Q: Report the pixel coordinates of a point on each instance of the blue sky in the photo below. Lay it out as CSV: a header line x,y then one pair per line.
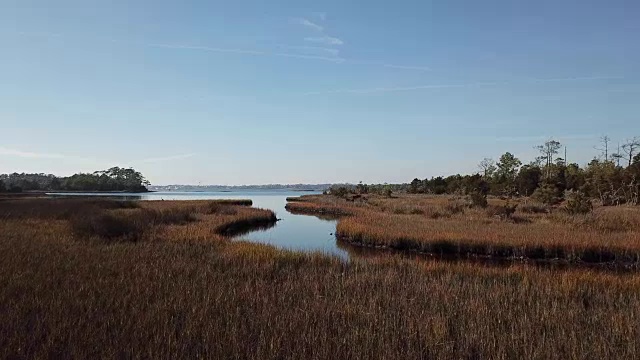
x,y
254,92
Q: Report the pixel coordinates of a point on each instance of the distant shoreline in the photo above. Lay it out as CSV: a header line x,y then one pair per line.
x,y
26,194
222,188
235,190
93,192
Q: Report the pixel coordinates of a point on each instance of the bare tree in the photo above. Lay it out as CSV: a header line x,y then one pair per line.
x,y
604,147
488,167
629,150
547,151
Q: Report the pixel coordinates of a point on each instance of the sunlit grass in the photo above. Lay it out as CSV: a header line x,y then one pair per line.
x,y
187,292
444,225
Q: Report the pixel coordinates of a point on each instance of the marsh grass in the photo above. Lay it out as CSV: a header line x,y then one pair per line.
x,y
534,208
190,293
137,221
128,225
620,219
238,202
313,208
223,299
244,225
505,229
221,209
43,208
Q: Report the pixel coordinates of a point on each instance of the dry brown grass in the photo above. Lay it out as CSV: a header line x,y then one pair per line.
x,y
319,205
448,226
99,219
192,294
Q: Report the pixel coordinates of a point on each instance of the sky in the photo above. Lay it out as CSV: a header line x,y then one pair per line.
x,y
260,92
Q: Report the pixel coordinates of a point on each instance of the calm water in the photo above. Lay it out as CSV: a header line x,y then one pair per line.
x,y
295,232
303,232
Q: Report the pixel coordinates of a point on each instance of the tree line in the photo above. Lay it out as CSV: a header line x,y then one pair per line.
x,y
611,178
113,179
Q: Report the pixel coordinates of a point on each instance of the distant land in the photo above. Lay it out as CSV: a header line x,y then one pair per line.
x,y
203,188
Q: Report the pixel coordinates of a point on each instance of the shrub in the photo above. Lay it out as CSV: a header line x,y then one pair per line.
x,y
339,191
478,199
578,203
547,194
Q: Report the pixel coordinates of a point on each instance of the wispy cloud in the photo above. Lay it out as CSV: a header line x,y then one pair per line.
x,y
31,155
328,40
389,65
324,39
322,16
580,78
59,158
55,156
310,57
464,85
208,48
397,89
315,49
307,23
333,53
244,52
168,158
404,67
41,155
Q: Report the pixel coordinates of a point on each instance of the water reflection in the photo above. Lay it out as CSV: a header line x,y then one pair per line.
x,y
316,233
293,231
254,228
325,217
363,252
296,231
